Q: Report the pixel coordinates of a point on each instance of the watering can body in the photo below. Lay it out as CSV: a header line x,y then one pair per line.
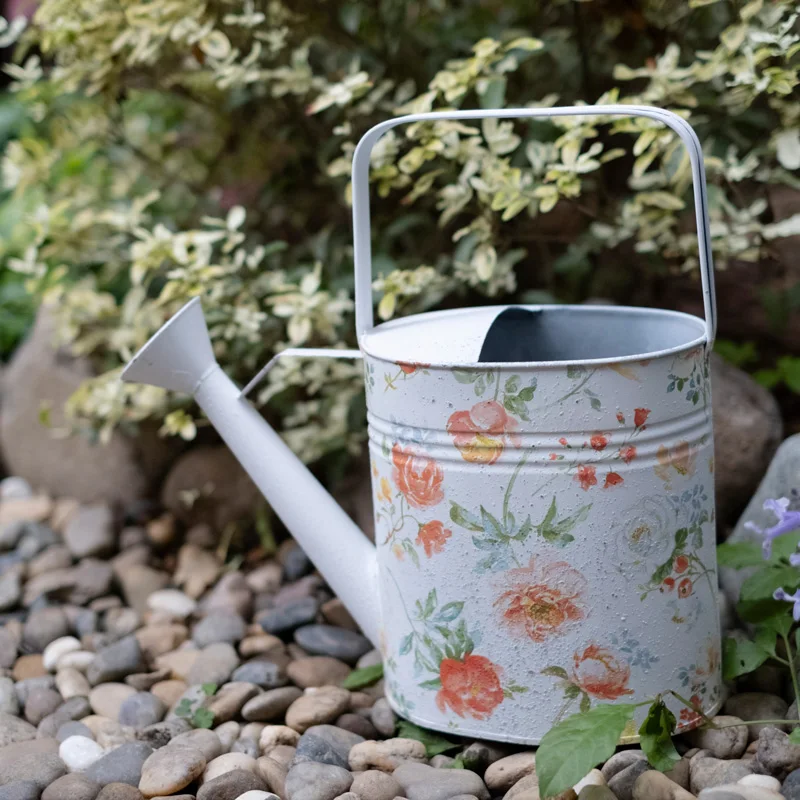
x,y
544,527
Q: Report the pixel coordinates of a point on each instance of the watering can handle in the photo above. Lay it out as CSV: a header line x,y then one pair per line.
x,y
361,216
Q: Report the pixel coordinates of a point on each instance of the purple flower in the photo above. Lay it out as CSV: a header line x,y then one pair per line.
x,y
780,594
788,521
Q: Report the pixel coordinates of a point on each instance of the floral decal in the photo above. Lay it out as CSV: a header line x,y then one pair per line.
x,y
481,433
597,673
432,536
543,600
681,459
417,476
466,683
499,534
470,687
699,681
697,383
405,372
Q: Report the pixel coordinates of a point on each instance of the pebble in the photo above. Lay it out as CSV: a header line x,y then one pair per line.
x,y
724,742
15,488
214,664
313,671
79,659
595,793
90,531
311,781
71,787
231,785
41,703
227,763
618,762
120,791
422,782
228,733
593,778
266,674
762,781
383,717
197,569
317,707
246,745
756,705
10,588
503,774
706,771
327,640
172,602
178,664
138,583
9,703
43,626
219,626
271,704
29,666
36,761
289,616
228,701
116,661
73,728
653,785
121,622
123,765
256,794
206,741
78,753
71,682
776,753
791,785
326,744
276,735
162,733
20,790
145,681
156,640
141,709
13,729
376,785
107,698
386,755
8,648
623,782
355,723
169,770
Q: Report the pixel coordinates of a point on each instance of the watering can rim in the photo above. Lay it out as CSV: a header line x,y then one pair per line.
x,y
701,340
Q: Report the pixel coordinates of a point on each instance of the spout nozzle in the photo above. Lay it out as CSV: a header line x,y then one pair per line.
x,y
177,356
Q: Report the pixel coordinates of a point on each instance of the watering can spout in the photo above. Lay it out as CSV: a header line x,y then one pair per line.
x,y
179,357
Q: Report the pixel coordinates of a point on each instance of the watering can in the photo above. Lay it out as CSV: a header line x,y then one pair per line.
x,y
542,483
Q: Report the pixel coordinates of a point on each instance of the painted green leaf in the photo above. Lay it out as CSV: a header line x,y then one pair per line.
x,y
365,676
466,376
737,555
405,644
430,603
655,737
464,519
559,531
434,683
526,395
556,672
573,747
491,524
449,612
434,743
511,384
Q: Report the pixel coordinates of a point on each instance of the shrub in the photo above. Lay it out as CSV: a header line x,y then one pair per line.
x,y
177,148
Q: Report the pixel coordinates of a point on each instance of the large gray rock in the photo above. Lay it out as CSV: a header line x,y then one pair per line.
x,y
747,430
782,480
40,375
421,782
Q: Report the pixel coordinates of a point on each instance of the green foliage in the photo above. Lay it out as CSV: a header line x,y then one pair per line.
x,y
655,737
434,743
573,747
366,676
198,716
165,150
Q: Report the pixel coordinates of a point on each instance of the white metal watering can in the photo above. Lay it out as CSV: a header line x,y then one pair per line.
x,y
544,526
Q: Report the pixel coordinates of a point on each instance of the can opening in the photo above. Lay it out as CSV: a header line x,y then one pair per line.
x,y
534,334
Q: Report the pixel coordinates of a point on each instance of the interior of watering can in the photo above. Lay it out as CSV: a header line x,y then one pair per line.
x,y
533,334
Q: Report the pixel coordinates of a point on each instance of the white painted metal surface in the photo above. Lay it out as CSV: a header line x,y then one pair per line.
x,y
544,530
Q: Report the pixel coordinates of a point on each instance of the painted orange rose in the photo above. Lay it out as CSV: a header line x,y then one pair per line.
x,y
432,536
482,433
681,564
409,369
563,441
692,717
685,587
669,584
598,442
640,416
613,479
417,476
543,599
600,673
586,477
470,687
627,454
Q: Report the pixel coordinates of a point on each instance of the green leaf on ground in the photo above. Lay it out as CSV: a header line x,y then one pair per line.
x,y
794,736
366,676
573,747
434,743
655,737
203,718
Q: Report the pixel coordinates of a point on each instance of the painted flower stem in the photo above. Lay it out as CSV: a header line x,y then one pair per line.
x,y
510,487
